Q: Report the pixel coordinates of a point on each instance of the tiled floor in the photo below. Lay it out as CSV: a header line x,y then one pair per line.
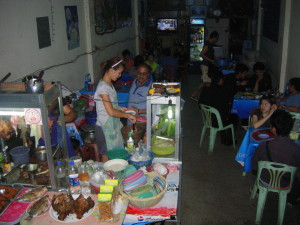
x,y
214,192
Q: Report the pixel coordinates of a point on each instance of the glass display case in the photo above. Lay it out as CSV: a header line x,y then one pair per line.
x,y
32,131
164,122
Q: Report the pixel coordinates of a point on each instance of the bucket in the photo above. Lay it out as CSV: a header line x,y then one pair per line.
x,y
91,117
20,155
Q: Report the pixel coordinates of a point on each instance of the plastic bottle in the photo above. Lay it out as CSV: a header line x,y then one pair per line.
x,y
73,178
84,178
130,142
61,178
86,81
6,158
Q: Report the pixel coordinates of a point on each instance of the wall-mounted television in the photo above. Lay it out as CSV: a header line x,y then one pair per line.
x,y
166,25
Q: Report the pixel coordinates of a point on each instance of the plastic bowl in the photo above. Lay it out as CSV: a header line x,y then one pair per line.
x,y
115,165
117,153
162,147
20,155
140,164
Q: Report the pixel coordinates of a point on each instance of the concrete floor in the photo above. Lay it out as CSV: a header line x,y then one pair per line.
x,y
214,192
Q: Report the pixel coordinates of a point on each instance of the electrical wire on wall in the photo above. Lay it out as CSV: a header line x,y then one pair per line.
x,y
96,49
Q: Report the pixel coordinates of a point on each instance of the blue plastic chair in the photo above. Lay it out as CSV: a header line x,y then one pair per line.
x,y
276,172
207,112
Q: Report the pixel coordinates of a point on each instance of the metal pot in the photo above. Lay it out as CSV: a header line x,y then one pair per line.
x,y
89,137
89,133
41,153
33,84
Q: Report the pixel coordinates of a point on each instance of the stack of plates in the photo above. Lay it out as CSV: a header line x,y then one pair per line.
x,y
134,180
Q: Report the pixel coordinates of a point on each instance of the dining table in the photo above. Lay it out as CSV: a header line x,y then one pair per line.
x,y
252,138
249,145
244,103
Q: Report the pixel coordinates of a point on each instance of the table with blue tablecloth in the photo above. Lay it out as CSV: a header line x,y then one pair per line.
x,y
244,107
247,149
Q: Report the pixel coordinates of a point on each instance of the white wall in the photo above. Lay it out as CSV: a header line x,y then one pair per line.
x,y
272,51
293,63
19,49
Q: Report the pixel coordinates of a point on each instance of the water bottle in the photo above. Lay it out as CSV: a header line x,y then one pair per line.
x,y
286,92
73,178
6,158
86,81
61,178
130,142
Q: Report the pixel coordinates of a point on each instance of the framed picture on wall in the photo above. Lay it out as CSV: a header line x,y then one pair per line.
x,y
105,16
198,11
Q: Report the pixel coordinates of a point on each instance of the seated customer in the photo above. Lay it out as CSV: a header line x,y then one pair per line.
x,y
139,89
293,101
281,150
237,81
129,63
261,81
261,115
169,64
152,64
216,96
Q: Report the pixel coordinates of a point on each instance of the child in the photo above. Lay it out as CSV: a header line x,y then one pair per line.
x,y
261,115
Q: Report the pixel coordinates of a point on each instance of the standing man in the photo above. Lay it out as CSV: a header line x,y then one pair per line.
x,y
208,62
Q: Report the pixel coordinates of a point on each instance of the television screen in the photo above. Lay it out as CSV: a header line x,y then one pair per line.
x,y
197,21
167,24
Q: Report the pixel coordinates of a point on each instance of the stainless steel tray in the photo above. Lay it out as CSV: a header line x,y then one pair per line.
x,y
8,202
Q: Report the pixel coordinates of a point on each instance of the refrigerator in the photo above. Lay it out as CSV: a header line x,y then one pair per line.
x,y
196,39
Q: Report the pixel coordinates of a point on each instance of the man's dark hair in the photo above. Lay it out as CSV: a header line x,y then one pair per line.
x,y
282,121
126,52
214,34
240,68
259,66
295,82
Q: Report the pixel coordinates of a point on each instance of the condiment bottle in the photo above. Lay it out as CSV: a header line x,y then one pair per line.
x,y
130,142
73,178
84,178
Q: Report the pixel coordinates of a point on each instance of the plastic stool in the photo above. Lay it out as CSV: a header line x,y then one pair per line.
x,y
87,148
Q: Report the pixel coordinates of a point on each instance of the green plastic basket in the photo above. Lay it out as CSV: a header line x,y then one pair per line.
x,y
117,153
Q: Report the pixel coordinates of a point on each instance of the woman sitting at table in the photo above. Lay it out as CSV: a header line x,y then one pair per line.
x,y
153,65
108,125
261,115
261,81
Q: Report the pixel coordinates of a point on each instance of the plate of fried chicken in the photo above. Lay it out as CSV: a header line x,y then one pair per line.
x,y
71,208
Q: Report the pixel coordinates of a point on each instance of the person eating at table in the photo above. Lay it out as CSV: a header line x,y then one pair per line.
x,y
237,81
292,103
261,81
261,115
139,89
280,150
108,125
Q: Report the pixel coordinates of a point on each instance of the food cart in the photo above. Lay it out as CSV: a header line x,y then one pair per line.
x,y
35,108
29,113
